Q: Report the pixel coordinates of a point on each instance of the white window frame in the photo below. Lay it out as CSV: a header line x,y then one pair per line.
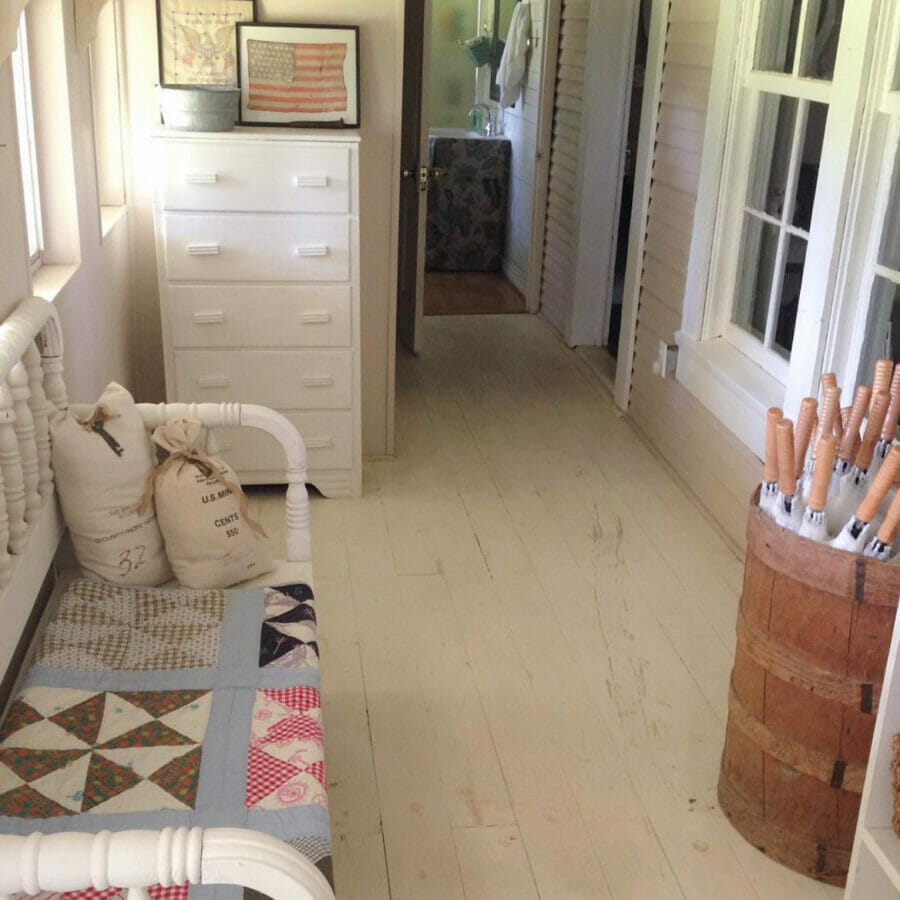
x,y
729,382
30,178
879,149
106,66
54,137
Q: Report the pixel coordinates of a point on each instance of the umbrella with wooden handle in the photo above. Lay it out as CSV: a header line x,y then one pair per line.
x,y
880,547
847,442
889,428
830,408
855,533
787,507
815,524
803,432
881,380
852,486
768,493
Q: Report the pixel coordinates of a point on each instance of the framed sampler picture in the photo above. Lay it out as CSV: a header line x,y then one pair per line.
x,y
197,40
300,75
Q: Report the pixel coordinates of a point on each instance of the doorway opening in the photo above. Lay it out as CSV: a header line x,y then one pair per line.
x,y
632,134
470,165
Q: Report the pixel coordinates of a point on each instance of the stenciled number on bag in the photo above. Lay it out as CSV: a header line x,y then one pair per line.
x,y
232,532
132,559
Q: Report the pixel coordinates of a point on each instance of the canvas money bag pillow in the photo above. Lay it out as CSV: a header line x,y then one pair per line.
x,y
211,540
101,460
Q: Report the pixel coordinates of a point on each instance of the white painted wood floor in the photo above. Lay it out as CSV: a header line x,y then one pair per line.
x,y
527,632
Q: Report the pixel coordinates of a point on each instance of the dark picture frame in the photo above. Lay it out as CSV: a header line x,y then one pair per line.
x,y
197,40
297,75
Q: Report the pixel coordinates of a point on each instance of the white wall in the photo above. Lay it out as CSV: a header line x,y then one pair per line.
x,y
714,464
94,305
520,125
381,72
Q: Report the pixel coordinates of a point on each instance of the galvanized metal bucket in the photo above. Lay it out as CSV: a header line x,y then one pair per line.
x,y
191,107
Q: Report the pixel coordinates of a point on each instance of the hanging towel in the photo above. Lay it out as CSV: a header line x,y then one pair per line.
x,y
511,74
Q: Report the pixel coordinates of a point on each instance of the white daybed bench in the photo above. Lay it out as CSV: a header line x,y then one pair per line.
x,y
61,849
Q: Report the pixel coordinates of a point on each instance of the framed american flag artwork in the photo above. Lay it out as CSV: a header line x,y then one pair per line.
x,y
300,75
197,43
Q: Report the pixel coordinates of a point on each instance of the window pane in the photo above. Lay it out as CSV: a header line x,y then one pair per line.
x,y
27,151
896,85
820,41
882,340
790,295
889,254
756,269
776,39
808,175
772,153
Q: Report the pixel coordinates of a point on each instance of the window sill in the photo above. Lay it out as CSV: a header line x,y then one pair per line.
x,y
49,280
109,216
737,391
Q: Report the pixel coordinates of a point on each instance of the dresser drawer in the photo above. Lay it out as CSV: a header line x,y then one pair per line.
x,y
259,315
242,247
282,379
328,438
254,176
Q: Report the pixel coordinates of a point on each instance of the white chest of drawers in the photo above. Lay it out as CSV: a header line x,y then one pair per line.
x,y
257,240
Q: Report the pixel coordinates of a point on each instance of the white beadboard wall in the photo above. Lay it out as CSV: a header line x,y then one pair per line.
x,y
712,462
520,126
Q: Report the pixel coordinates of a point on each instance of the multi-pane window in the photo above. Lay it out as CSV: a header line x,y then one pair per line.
x,y
777,216
105,97
783,107
879,282
27,146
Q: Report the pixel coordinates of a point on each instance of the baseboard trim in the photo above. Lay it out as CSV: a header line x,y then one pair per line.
x,y
517,277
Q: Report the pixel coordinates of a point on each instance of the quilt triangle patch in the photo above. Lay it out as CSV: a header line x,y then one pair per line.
x,y
153,734
179,777
19,715
158,703
26,803
300,699
144,760
32,764
65,786
317,770
104,780
84,719
265,774
302,728
300,592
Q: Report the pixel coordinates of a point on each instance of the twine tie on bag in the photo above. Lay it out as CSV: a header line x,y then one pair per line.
x,y
209,469
96,423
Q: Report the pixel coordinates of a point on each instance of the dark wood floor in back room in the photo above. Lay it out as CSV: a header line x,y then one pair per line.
x,y
470,293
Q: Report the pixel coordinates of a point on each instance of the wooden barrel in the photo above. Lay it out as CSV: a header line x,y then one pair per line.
x,y
813,631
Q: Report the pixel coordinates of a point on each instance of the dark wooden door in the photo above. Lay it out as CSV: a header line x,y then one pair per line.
x,y
410,263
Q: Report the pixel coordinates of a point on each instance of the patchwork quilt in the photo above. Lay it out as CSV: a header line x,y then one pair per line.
x,y
148,707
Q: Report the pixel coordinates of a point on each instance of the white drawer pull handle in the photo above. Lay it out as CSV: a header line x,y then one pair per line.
x,y
313,250
322,443
315,318
314,381
207,382
201,178
210,248
311,181
212,317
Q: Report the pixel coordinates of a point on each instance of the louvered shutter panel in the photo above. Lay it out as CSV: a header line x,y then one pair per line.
x,y
678,152
561,226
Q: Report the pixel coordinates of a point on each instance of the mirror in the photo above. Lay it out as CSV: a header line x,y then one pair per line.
x,y
500,19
